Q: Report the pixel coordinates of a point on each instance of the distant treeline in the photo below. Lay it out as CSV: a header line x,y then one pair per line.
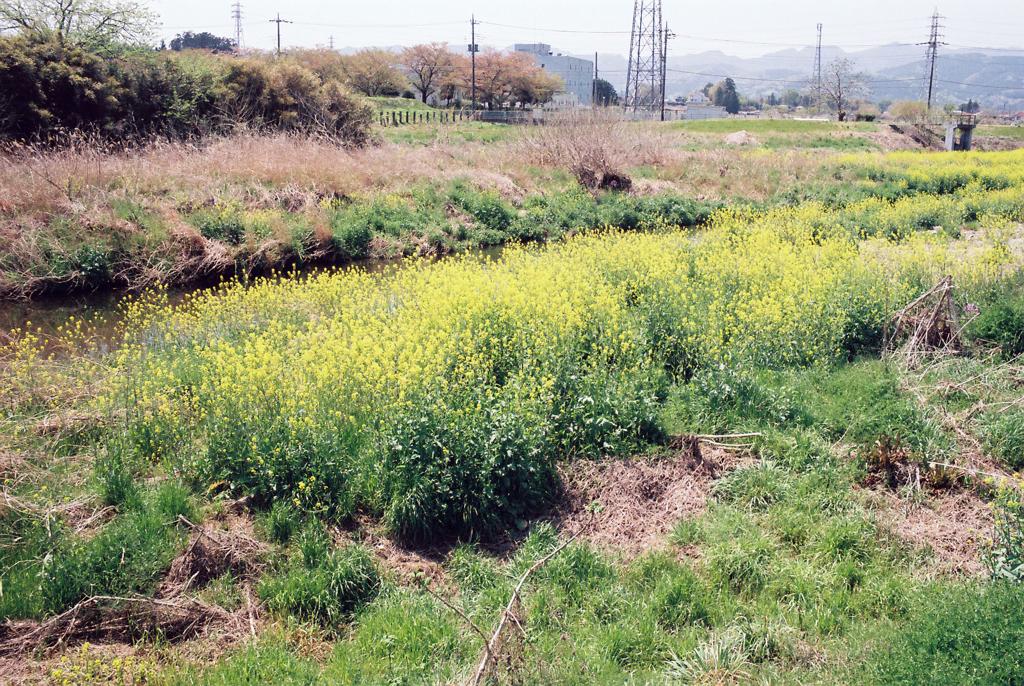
x,y
49,87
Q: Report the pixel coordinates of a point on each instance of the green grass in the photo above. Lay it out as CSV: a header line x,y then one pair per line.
x,y
1014,132
967,635
832,141
452,133
321,585
770,126
388,104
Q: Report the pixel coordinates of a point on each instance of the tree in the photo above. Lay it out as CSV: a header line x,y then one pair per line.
x,y
970,107
914,111
201,41
791,98
723,94
375,72
451,85
101,26
514,78
427,66
839,84
531,85
606,95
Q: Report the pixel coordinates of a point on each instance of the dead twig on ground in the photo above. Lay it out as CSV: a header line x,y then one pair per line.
x,y
930,324
490,645
974,472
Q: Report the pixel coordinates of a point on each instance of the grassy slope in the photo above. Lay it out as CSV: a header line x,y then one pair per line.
x,y
385,104
82,219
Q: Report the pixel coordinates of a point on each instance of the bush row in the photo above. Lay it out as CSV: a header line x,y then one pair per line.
x,y
63,89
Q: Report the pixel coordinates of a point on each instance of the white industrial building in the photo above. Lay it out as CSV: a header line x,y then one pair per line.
x,y
577,74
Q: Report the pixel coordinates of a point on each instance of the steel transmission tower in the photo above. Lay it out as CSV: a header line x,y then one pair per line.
x,y
817,72
646,67
236,14
933,54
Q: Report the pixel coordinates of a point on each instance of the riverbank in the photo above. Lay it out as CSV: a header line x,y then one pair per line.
x,y
85,218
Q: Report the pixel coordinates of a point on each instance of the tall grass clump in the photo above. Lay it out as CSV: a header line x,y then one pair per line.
x,y
126,558
325,587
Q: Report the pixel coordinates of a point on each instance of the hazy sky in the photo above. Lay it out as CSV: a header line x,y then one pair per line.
x,y
737,27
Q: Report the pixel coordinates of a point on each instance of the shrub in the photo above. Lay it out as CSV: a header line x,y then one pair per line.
x,y
60,88
343,582
174,94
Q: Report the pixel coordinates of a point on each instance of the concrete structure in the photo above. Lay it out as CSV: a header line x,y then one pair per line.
x,y
959,133
705,112
577,74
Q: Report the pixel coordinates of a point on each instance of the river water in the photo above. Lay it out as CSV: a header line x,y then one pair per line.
x,y
102,310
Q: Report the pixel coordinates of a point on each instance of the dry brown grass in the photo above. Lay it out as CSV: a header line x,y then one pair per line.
x,y
594,147
133,204
642,498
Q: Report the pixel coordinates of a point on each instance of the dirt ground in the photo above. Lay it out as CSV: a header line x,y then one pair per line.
x,y
952,526
641,498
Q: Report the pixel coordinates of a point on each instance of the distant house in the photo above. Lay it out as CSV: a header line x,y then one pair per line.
x,y
697,98
577,74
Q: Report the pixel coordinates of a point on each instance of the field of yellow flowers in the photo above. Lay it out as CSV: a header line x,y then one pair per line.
x,y
442,396
438,399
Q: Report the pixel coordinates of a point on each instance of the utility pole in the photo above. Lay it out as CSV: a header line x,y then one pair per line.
x,y
330,41
933,54
473,50
236,14
279,21
593,94
817,73
664,68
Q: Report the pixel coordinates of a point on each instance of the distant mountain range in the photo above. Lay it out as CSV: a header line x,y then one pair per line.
x,y
995,78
